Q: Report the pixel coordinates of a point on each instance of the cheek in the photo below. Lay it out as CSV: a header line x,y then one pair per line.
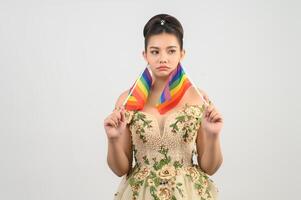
x,y
152,59
151,56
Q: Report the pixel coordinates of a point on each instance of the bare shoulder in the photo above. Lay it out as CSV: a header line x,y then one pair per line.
x,y
121,98
193,96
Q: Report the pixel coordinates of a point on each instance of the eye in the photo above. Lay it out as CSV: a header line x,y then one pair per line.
x,y
154,52
172,51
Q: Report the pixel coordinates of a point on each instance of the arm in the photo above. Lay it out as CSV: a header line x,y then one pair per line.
x,y
209,153
208,149
119,156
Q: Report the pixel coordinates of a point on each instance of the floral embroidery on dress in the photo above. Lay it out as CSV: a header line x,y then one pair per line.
x,y
128,116
162,181
140,122
159,163
200,180
160,177
187,123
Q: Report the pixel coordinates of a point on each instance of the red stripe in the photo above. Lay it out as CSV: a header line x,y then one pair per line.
x,y
138,95
133,105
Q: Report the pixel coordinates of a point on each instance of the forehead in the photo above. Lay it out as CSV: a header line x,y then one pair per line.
x,y
163,40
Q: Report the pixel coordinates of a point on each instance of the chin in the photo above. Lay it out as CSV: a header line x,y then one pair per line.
x,y
163,73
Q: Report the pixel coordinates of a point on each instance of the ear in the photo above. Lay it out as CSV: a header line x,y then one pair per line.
x,y
144,55
183,53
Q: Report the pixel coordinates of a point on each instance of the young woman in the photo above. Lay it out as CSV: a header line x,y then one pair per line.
x,y
163,145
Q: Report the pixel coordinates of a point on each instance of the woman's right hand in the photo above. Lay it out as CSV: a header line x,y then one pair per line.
x,y
115,123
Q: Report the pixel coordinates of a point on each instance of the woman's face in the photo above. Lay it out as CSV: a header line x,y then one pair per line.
x,y
163,50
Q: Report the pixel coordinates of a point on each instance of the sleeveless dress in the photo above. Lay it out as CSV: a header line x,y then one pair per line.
x,y
164,167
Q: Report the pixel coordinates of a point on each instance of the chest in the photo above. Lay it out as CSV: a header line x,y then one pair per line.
x,y
180,124
157,117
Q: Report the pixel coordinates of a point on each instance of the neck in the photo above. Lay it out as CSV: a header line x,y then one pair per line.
x,y
159,84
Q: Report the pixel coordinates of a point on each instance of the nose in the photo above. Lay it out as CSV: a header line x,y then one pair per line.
x,y
163,58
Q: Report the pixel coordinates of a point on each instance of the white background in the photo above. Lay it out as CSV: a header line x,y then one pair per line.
x,y
63,64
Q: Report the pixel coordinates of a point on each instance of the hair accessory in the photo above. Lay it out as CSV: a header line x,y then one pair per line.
x,y
162,22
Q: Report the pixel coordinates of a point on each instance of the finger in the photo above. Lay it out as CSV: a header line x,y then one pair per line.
x,y
118,115
106,122
206,98
206,104
114,122
205,113
212,112
218,119
122,118
110,122
214,116
121,112
118,112
209,110
115,119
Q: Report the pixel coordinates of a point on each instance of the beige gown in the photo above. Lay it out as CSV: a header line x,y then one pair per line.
x,y
164,167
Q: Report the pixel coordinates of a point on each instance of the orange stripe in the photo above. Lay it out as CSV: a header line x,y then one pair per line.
x,y
163,108
139,96
179,94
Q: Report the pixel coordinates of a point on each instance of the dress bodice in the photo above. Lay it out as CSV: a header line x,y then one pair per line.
x,y
176,140
163,155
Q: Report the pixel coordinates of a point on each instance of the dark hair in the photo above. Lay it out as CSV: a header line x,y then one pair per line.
x,y
171,25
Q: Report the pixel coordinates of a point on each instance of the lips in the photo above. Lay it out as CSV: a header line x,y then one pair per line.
x,y
163,67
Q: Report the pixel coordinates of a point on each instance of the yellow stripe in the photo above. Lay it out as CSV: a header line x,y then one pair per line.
x,y
132,98
178,87
142,88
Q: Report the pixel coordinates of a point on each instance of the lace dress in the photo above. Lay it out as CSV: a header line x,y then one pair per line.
x,y
164,167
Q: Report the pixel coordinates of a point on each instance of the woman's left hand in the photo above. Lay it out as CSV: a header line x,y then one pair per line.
x,y
212,121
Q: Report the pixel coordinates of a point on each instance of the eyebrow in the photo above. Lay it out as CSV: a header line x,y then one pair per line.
x,y
159,48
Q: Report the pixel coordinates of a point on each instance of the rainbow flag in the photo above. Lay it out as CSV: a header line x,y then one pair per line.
x,y
139,91
172,93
